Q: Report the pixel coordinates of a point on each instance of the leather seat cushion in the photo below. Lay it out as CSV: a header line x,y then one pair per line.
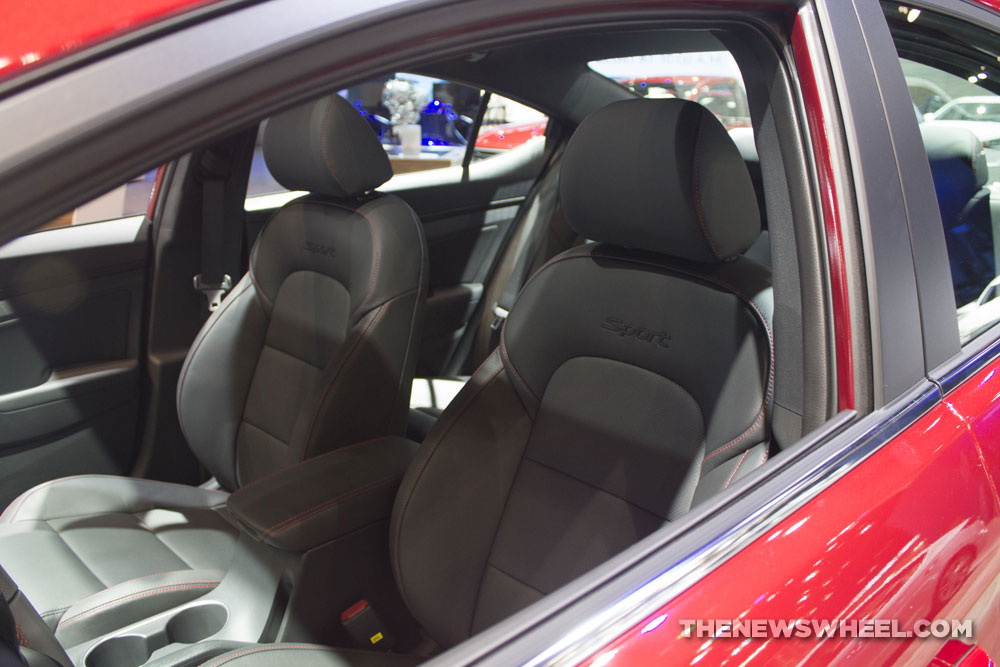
x,y
94,553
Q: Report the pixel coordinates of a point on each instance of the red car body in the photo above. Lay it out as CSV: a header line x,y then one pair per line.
x,y
37,32
509,135
877,530
894,538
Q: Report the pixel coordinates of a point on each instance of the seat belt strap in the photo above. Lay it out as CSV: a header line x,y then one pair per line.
x,y
224,171
213,281
541,205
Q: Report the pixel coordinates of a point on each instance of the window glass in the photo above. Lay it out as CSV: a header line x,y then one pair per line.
x,y
425,123
710,78
507,124
125,201
960,127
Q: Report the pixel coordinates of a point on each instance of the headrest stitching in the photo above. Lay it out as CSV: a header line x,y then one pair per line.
x,y
322,139
697,195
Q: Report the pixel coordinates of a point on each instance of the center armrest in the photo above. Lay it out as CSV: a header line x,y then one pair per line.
x,y
325,497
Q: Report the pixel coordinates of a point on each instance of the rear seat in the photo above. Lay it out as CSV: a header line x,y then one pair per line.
x,y
960,172
431,395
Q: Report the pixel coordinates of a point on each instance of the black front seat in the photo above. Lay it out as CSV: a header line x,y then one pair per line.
x,y
633,380
313,349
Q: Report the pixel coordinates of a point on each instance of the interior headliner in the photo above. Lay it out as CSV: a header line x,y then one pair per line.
x,y
565,87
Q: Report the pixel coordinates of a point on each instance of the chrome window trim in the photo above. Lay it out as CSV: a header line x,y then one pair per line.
x,y
974,357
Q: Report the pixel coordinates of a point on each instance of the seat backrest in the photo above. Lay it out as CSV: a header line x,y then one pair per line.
x,y
315,347
632,380
960,172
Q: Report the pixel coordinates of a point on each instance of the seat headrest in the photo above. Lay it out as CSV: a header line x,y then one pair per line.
x,y
659,175
955,144
325,147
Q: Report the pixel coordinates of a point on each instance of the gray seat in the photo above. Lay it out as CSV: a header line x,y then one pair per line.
x,y
313,349
633,380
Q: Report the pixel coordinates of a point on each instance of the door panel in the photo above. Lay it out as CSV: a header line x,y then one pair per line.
x,y
70,314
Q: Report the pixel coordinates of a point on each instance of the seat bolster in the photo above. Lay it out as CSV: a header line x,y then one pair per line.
x,y
215,380
85,495
309,655
132,601
726,474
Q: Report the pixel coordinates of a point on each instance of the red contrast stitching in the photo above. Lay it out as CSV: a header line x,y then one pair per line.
x,y
708,279
430,454
343,362
275,473
770,345
19,502
377,251
733,473
747,432
513,370
504,355
302,516
697,194
149,576
194,585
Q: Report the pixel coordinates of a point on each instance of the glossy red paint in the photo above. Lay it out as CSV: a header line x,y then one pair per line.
x,y
819,133
990,4
505,137
895,538
45,29
155,192
959,653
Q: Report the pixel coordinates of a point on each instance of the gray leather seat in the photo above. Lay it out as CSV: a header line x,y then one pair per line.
x,y
633,380
313,349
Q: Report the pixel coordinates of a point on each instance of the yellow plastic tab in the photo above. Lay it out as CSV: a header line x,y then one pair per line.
x,y
376,638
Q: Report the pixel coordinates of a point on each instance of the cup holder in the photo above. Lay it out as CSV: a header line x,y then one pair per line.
x,y
187,626
196,623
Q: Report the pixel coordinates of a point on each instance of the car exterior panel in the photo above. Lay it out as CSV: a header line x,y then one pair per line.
x,y
33,32
913,533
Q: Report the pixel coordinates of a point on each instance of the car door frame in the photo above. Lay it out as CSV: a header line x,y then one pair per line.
x,y
715,531
884,338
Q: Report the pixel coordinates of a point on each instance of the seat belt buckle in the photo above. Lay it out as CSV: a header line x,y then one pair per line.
x,y
365,627
213,291
499,317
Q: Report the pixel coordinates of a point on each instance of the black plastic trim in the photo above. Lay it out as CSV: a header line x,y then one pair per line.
x,y
897,346
935,296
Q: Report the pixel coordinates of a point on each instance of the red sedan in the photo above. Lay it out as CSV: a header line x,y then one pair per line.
x,y
709,380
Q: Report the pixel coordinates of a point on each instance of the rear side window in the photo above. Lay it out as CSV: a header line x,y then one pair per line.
x,y
956,102
425,123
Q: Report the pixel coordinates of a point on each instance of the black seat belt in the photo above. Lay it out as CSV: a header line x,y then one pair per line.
x,y
542,203
223,172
